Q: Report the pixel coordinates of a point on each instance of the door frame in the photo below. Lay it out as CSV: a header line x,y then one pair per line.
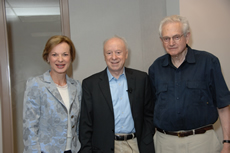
x,y
5,86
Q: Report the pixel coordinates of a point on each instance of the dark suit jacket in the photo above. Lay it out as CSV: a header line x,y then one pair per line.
x,y
97,117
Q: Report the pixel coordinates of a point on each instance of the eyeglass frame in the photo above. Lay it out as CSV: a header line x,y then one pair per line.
x,y
173,38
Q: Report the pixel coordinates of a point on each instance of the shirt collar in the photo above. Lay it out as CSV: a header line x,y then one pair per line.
x,y
190,57
110,77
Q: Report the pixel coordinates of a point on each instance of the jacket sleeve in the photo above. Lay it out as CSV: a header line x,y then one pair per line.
x,y
31,116
86,120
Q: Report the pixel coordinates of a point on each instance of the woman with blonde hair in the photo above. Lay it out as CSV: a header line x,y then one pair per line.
x,y
52,103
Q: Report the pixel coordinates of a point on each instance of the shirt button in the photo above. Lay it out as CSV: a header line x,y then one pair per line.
x,y
177,98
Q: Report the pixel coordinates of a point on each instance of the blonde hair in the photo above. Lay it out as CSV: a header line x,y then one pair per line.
x,y
54,41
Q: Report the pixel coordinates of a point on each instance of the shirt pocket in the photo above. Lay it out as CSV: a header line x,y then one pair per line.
x,y
161,92
161,101
197,92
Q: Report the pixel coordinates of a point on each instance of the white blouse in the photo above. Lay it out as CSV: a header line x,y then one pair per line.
x,y
63,90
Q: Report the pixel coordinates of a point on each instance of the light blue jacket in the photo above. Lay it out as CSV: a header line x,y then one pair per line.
x,y
45,115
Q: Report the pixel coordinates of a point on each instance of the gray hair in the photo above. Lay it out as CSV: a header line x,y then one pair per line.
x,y
115,36
175,18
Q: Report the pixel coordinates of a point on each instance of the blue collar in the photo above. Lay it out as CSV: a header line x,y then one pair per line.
x,y
110,76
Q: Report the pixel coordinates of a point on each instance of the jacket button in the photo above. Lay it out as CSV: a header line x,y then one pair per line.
x,y
61,141
112,149
73,126
72,116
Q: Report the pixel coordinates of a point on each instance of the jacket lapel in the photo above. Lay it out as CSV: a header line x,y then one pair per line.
x,y
131,84
51,87
72,89
105,89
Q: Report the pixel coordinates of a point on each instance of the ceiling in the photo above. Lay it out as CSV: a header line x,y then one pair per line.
x,y
32,3
37,18
33,7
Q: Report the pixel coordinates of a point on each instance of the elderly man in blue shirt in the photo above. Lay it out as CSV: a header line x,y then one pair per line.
x,y
190,94
117,106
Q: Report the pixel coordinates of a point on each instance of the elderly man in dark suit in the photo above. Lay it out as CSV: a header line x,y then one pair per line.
x,y
117,106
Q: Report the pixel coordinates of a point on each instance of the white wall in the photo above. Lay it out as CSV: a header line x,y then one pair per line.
x,y
209,21
91,22
172,7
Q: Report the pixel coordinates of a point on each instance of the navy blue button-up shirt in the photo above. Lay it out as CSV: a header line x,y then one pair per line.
x,y
187,97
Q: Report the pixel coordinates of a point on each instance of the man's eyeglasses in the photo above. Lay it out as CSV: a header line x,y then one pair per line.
x,y
175,38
